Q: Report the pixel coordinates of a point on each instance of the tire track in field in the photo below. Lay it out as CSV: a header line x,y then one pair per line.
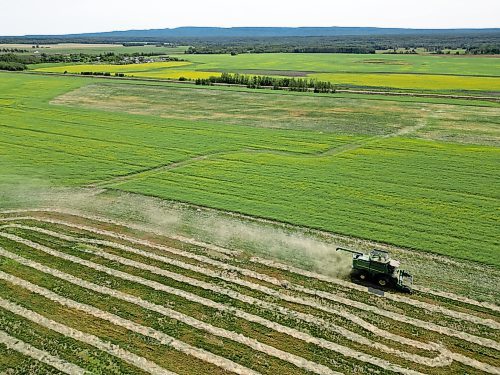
x,y
40,355
131,358
159,336
165,311
305,301
336,150
441,360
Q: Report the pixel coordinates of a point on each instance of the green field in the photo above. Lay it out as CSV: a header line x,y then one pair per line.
x,y
68,48
414,174
420,72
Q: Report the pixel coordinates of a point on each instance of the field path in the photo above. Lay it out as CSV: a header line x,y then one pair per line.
x,y
117,180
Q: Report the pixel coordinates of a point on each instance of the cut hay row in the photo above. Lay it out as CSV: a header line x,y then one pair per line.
x,y
220,332
263,289
40,355
271,280
311,302
161,337
131,358
391,296
441,360
446,295
454,297
457,357
165,339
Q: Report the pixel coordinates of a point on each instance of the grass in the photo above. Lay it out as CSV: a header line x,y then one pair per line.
x,y
420,175
415,72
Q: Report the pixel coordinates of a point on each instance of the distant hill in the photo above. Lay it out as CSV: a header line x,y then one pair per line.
x,y
265,32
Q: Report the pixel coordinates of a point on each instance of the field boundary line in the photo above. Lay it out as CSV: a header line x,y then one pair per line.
x,y
28,350
165,311
161,337
131,358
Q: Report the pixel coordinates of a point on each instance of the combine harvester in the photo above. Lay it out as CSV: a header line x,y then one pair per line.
x,y
377,266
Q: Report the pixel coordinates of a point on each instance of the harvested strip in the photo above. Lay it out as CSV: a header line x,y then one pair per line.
x,y
442,360
457,298
393,297
260,288
359,305
277,294
133,359
163,338
397,298
254,344
454,314
476,364
40,355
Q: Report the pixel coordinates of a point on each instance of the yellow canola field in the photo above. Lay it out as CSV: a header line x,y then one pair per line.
x,y
412,81
144,67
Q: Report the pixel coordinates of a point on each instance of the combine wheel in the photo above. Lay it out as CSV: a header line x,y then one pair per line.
x,y
383,281
362,276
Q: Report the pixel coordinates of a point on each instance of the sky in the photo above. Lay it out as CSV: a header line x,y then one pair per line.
x,y
64,17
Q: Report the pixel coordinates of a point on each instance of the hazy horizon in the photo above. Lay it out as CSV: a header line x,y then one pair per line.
x,y
54,17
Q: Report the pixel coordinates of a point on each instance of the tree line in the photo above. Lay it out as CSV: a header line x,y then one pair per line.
x,y
276,83
16,62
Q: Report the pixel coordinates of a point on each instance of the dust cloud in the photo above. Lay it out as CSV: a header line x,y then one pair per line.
x,y
285,244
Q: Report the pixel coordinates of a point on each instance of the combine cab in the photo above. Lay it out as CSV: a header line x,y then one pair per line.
x,y
378,267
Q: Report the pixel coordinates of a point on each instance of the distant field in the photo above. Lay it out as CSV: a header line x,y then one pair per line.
x,y
66,48
420,72
420,175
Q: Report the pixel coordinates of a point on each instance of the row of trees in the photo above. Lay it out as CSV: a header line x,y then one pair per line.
x,y
13,50
276,83
105,74
12,66
109,58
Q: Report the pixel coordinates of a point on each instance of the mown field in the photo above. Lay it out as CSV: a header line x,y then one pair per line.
x,y
80,294
415,174
412,72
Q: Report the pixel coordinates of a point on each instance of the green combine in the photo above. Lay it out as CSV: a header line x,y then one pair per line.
x,y
377,266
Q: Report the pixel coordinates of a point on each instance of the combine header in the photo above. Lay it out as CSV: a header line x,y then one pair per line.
x,y
380,268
